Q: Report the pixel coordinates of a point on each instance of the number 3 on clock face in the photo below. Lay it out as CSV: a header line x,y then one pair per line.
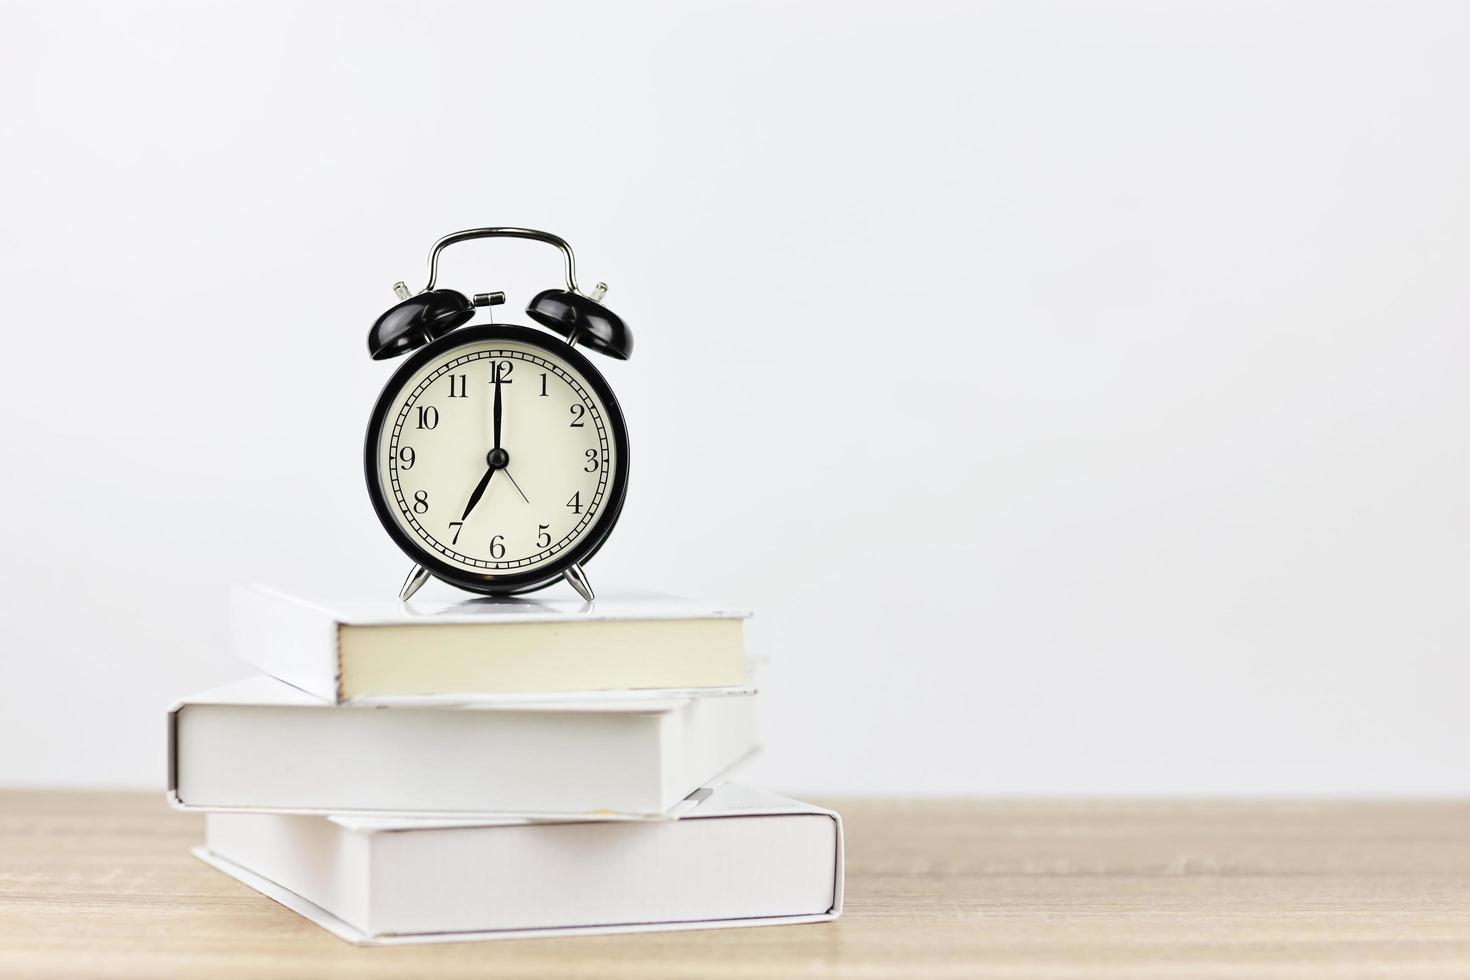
x,y
496,457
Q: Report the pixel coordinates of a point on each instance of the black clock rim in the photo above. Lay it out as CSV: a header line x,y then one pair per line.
x,y
511,583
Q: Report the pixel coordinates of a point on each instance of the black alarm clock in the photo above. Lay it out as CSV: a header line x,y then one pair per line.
x,y
497,456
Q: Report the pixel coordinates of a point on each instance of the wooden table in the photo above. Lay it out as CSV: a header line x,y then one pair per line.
x,y
103,885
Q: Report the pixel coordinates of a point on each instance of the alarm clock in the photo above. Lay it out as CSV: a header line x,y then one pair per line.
x,y
496,455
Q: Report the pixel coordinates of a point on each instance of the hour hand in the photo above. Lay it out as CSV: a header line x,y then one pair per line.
x,y
478,492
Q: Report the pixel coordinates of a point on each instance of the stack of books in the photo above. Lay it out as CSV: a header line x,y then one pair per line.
x,y
489,768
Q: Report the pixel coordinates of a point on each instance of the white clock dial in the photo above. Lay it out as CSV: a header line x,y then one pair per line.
x,y
487,507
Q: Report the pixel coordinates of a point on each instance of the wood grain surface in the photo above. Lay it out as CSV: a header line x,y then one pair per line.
x,y
103,885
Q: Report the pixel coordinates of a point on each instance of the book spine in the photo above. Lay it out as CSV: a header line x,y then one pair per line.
x,y
288,640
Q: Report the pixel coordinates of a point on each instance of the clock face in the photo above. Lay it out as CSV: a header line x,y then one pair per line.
x,y
508,501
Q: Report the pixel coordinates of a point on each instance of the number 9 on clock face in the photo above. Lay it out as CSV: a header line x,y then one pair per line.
x,y
496,457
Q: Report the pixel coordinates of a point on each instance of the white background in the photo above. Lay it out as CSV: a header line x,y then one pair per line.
x,y
1076,391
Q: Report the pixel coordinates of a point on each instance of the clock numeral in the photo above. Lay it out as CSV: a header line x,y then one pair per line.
x,y
457,386
421,502
543,539
592,462
576,502
577,412
501,370
543,384
497,546
428,417
456,527
406,458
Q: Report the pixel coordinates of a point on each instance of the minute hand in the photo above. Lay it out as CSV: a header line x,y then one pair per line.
x,y
495,366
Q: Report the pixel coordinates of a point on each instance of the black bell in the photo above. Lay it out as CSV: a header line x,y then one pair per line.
x,y
576,316
416,321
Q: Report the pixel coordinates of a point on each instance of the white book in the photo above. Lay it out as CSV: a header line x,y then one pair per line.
x,y
742,857
483,648
262,744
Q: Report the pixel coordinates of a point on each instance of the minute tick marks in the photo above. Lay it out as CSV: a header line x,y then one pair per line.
x,y
526,442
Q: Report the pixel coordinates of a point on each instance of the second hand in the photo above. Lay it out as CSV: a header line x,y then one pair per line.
x,y
517,486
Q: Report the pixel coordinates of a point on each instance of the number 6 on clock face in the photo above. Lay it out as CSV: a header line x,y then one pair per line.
x,y
496,458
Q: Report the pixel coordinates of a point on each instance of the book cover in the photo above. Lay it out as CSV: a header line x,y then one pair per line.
x,y
742,857
263,744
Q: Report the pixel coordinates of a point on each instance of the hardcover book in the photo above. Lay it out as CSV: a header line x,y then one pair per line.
x,y
263,744
742,857
486,648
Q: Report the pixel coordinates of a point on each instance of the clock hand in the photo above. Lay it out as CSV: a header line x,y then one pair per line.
x,y
495,366
498,459
478,492
516,485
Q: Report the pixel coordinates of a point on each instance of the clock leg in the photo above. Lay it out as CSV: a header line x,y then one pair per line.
x,y
417,576
577,579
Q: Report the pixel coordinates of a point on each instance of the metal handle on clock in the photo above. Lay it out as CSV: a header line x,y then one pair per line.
x,y
531,233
